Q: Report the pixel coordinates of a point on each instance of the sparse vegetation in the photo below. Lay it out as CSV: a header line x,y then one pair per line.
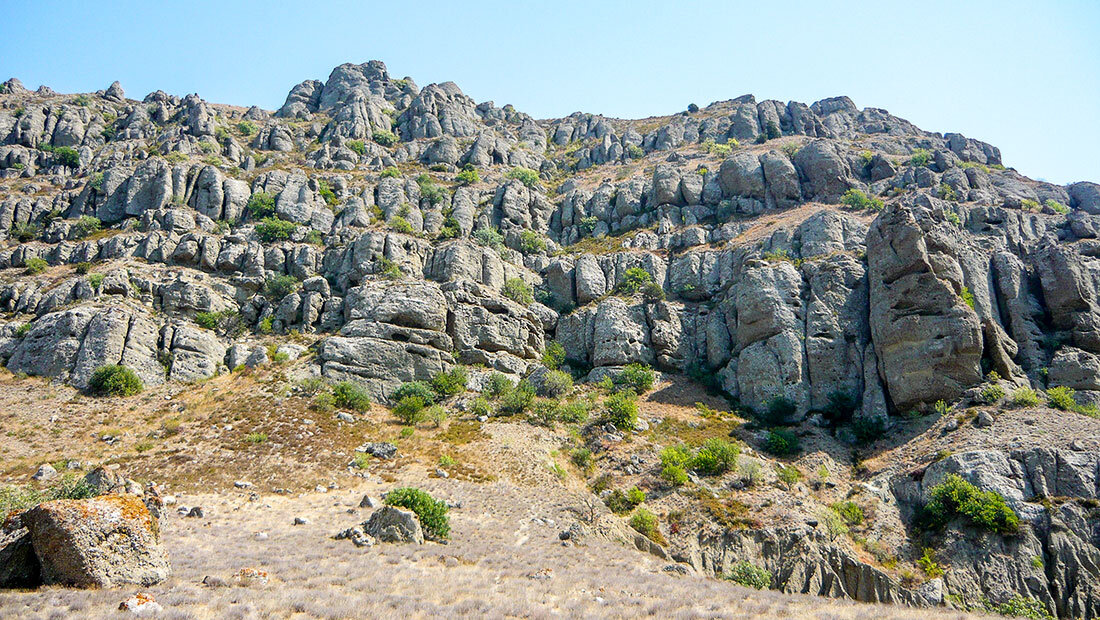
x,y
348,395
278,287
272,229
621,409
637,377
782,442
383,137
35,265
856,199
518,291
645,523
528,177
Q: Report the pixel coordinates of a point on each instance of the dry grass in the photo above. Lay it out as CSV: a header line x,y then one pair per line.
x,y
502,534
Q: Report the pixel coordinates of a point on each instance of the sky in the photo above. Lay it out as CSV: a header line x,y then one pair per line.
x,y
1023,76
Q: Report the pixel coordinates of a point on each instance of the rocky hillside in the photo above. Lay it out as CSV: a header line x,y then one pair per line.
x,y
835,272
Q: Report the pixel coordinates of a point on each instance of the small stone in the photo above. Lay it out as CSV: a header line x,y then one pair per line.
x,y
951,425
368,502
985,419
195,513
541,574
261,536
320,489
242,484
141,605
344,416
482,418
379,449
301,521
211,581
45,472
442,473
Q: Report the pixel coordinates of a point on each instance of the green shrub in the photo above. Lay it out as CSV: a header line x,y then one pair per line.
x,y
390,173
633,151
278,287
840,408
35,265
554,355
420,389
637,377
1020,606
621,409
449,383
530,242
516,400
967,297
1056,206
67,156
499,384
86,225
489,237
400,224
856,199
348,395
114,380
266,325
358,146
83,267
868,429
780,410
247,128
410,410
325,191
480,407
920,157
1061,397
582,458
389,269
789,475
955,497
210,320
23,330
716,457
928,564
518,291
850,511
771,130
574,412
528,177
781,442
271,229
556,384
15,499
675,475
429,191
256,438
587,225
946,192
324,402
993,393
436,414
745,574
25,231
431,512
383,137
261,205
645,523
634,280
468,176
621,503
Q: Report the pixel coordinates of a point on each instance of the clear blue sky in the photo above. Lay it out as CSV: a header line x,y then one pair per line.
x,y
1024,76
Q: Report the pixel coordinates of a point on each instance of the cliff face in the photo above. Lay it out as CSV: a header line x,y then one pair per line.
x,y
811,252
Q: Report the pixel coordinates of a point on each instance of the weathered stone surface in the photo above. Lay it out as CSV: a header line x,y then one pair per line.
x,y
99,542
394,525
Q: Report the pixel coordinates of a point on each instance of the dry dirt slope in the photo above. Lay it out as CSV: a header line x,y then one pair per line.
x,y
505,559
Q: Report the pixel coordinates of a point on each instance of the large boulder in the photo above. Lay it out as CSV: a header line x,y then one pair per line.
x,y
395,525
100,542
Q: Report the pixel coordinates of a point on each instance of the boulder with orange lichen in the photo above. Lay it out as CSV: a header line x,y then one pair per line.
x,y
102,542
